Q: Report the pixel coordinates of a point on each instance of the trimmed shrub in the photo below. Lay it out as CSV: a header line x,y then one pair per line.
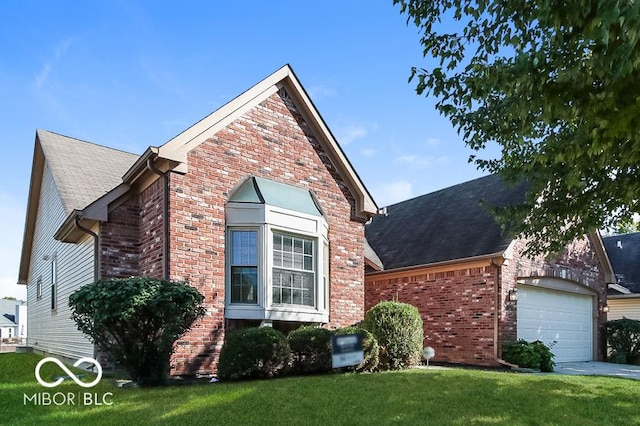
x,y
623,338
369,345
253,353
310,350
137,320
398,329
525,354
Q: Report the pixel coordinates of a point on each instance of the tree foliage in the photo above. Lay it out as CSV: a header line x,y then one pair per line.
x,y
556,85
137,320
627,226
623,337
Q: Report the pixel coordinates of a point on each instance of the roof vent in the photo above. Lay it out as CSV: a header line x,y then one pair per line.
x,y
619,244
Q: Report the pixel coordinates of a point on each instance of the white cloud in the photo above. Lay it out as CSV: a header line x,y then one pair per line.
x,y
320,91
392,192
349,133
368,152
414,160
422,161
433,142
42,76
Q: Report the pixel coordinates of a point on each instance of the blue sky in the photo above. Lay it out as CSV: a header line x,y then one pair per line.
x,y
131,74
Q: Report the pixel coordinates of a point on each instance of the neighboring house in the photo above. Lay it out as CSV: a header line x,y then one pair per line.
x,y
444,253
624,295
255,205
13,319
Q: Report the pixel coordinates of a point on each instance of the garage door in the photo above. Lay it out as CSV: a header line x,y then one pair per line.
x,y
551,315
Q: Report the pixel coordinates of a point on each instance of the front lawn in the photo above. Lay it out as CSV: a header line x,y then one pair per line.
x,y
451,397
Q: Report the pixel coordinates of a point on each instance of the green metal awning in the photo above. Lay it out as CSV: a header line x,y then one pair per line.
x,y
264,191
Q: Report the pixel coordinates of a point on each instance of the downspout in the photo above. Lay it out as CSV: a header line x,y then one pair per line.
x,y
96,263
165,217
96,248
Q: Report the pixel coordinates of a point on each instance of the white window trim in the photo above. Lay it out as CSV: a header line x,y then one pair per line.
x,y
260,272
267,219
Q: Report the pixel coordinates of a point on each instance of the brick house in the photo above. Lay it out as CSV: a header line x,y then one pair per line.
x,y
255,205
444,253
624,295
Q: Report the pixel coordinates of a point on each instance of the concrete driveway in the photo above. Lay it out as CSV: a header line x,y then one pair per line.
x,y
595,368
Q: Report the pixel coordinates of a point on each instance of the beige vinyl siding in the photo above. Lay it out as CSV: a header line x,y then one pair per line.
x,y
53,331
624,307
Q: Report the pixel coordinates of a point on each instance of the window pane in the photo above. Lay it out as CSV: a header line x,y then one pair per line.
x,y
277,241
293,276
296,297
287,259
308,247
308,263
244,284
292,287
244,248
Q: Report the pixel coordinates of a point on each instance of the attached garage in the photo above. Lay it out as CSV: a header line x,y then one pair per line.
x,y
555,310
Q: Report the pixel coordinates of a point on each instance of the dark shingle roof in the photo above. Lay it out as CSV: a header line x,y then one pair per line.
x,y
8,312
444,225
624,255
82,170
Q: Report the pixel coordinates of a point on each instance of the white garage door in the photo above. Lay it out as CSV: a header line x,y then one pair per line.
x,y
557,316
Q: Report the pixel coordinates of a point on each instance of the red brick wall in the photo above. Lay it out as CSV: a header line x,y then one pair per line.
x,y
272,141
151,227
119,244
577,263
458,305
457,308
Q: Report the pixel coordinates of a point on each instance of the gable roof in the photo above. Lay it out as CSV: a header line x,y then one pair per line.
x,y
82,171
444,225
8,312
6,322
624,253
175,150
112,171
73,161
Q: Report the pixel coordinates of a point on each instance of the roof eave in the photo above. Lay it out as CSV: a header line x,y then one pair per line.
x,y
598,246
497,259
98,211
624,296
33,201
366,205
140,166
176,149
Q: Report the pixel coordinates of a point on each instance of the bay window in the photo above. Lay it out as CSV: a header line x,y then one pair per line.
x,y
277,256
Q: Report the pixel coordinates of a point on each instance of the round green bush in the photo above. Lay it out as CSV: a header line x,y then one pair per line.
x,y
310,350
253,353
398,329
369,345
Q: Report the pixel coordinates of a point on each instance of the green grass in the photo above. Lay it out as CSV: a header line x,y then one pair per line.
x,y
449,397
